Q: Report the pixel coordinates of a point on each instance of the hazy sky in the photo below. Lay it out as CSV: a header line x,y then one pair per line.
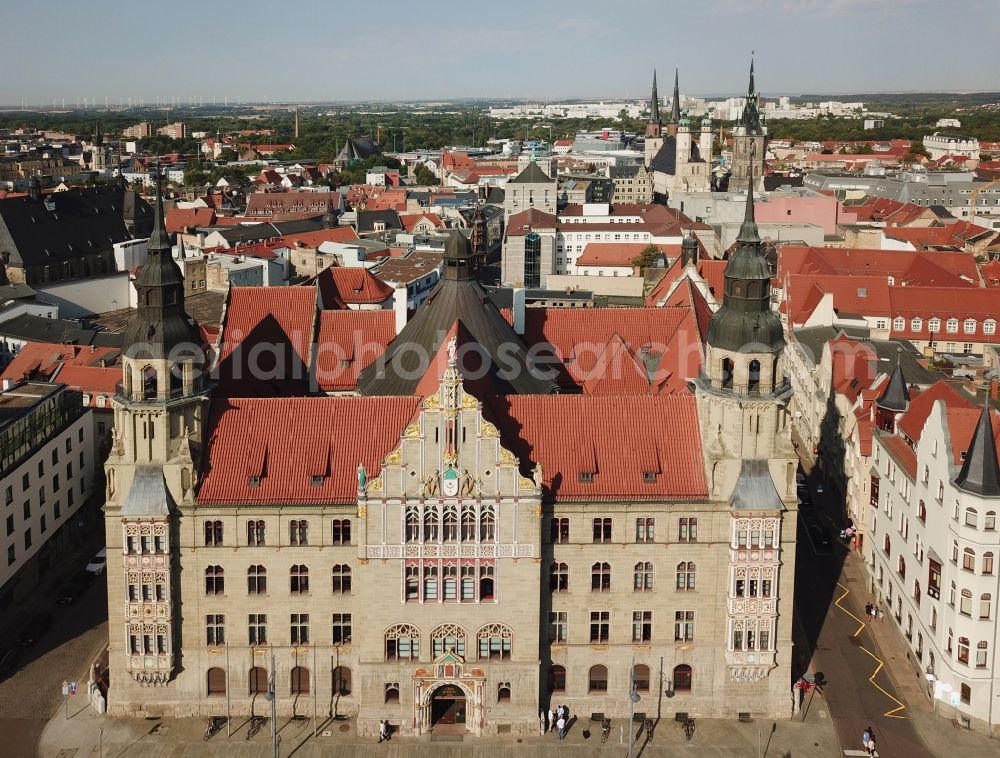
x,y
412,49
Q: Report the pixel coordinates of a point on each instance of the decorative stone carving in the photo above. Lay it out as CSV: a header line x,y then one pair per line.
x,y
486,429
413,430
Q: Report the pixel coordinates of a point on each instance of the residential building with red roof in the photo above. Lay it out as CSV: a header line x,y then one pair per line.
x,y
936,475
468,468
290,206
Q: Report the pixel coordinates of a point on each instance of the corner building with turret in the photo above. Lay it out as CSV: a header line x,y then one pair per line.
x,y
422,520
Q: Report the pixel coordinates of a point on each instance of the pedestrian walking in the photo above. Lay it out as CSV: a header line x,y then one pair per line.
x,y
561,726
872,613
868,610
551,722
866,737
881,614
871,748
383,730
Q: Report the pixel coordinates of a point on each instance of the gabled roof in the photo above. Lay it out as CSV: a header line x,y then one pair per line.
x,y
899,264
367,220
532,174
181,219
616,372
617,439
619,253
911,423
523,222
410,220
285,442
341,287
41,360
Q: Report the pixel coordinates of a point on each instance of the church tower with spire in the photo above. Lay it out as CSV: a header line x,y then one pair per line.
x,y
749,142
654,129
742,395
151,471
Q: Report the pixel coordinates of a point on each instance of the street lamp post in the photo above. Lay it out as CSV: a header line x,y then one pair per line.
x,y
271,699
633,699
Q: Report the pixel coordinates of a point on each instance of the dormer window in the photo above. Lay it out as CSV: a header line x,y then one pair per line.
x,y
253,481
316,480
649,477
586,477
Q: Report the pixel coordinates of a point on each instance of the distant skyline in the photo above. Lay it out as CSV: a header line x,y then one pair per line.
x,y
330,50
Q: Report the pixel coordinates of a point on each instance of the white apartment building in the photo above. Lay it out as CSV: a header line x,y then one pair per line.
x,y
46,473
935,493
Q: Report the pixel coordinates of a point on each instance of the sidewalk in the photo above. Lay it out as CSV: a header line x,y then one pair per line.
x,y
82,735
943,736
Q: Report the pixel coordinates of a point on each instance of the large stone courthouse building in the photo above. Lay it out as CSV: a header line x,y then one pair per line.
x,y
459,518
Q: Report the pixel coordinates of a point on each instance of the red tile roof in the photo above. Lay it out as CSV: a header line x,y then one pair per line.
x,y
616,372
179,219
912,422
279,206
410,220
615,438
531,218
711,270
795,259
857,295
318,237
962,425
341,287
288,441
91,379
40,360
349,340
619,253
991,273
957,234
976,303
903,453
281,319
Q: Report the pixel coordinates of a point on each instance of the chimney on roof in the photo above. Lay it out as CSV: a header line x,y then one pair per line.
x,y
399,307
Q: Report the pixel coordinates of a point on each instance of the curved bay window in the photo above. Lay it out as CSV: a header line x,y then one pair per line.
x,y
532,260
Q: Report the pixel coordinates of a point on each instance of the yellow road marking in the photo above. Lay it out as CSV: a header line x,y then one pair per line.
x,y
892,713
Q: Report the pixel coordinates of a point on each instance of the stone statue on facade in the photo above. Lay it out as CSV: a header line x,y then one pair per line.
x,y
362,478
432,484
538,476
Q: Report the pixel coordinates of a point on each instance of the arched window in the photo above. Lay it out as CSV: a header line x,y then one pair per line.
x,y
981,653
643,576
597,679
686,575
448,638
965,602
600,577
431,524
402,643
300,680
753,376
901,566
485,582
468,523
176,376
503,692
727,373
342,681
559,577
640,675
449,582
215,580
412,583
392,692
969,559
887,545
341,574
971,517
430,582
495,642
683,677
412,524
487,525
149,383
258,680
298,532
255,533
468,584
963,650
987,564
557,678
213,533
450,524
216,678
256,580
298,579
990,521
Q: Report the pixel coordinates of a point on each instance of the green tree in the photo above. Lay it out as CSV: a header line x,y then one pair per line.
x,y
424,176
645,259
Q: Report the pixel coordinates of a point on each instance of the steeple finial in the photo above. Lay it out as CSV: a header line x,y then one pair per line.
x,y
980,472
654,103
675,106
752,90
159,240
748,231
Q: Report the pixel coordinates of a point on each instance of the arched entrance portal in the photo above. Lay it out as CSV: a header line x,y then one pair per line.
x,y
448,706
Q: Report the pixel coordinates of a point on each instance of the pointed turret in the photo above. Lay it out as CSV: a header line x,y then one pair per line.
x,y
750,119
896,396
980,472
746,318
675,103
654,103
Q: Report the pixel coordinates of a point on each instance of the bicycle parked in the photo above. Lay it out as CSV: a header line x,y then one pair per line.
x,y
215,724
256,724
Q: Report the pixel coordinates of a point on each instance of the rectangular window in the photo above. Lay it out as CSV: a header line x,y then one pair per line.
x,y
687,529
9,495
341,628
258,628
683,626
602,530
341,534
600,625
557,626
27,539
645,530
300,628
215,629
560,530
642,626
